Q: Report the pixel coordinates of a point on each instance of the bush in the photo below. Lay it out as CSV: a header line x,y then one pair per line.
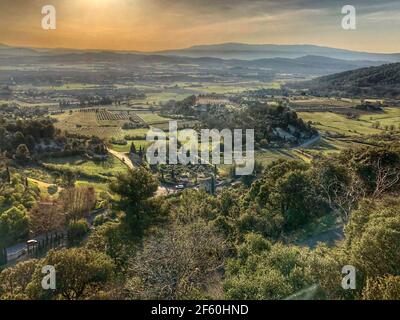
x,y
77,230
52,189
121,142
382,288
265,272
99,220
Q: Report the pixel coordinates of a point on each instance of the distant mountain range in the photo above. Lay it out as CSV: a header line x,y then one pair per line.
x,y
381,81
255,51
300,63
238,51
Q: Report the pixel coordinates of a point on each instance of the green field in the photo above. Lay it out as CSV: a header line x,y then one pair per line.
x,y
105,169
151,118
126,148
44,179
268,156
332,122
236,87
88,123
391,116
85,123
328,122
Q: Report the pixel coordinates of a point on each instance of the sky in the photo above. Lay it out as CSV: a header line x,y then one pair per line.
x,y
153,25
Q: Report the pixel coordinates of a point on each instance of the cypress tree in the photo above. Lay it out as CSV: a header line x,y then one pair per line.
x,y
3,256
8,174
133,148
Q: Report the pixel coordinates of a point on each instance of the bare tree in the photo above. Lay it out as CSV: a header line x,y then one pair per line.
x,y
386,178
45,217
341,192
180,261
77,202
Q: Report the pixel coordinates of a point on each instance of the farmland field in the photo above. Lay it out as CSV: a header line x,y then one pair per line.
x,y
105,169
103,123
332,122
125,148
152,118
268,156
85,123
44,179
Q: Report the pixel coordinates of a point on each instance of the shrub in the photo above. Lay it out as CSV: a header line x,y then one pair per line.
x,y
77,230
52,189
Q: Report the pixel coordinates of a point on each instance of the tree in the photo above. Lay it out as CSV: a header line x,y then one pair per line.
x,y
386,178
178,263
262,271
46,217
14,226
68,179
14,280
80,273
377,168
376,250
294,197
3,256
77,230
136,190
77,202
22,153
382,288
112,239
133,148
339,187
372,246
195,204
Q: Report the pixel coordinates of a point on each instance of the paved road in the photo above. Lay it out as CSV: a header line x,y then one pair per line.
x,y
14,251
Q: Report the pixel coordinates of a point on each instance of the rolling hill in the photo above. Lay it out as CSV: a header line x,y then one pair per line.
x,y
380,81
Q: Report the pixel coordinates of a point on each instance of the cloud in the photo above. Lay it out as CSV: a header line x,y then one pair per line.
x,y
261,7
162,24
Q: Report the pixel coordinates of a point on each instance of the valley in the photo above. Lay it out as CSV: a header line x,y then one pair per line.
x,y
75,177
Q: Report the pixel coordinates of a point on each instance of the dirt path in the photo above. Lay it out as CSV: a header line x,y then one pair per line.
x,y
123,157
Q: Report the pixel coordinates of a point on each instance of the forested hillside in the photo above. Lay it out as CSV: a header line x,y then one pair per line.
x,y
381,81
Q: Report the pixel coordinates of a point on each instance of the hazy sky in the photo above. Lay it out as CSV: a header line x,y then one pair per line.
x,y
164,24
